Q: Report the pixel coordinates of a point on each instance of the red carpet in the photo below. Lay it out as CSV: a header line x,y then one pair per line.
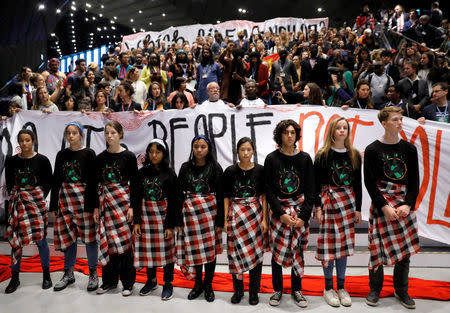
x,y
357,286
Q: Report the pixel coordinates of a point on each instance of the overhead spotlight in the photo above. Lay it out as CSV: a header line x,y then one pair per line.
x,y
319,9
73,8
131,20
71,14
164,14
112,27
41,7
71,21
244,11
92,34
99,29
87,19
107,36
73,26
88,5
218,22
150,23
115,17
102,6
105,28
112,22
93,18
85,11
240,10
73,40
140,11
100,15
102,36
53,34
58,11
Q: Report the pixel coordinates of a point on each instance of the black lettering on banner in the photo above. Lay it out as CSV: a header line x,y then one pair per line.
x,y
174,125
211,127
166,38
205,126
89,130
7,136
304,29
280,28
210,32
273,30
126,45
33,128
252,123
138,43
201,33
155,125
230,33
233,136
176,38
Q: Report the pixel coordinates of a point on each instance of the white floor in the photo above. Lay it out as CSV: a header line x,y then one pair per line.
x,y
30,298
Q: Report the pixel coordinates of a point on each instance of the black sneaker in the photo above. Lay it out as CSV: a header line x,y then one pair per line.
x,y
299,299
195,292
167,292
372,298
148,288
105,288
209,293
237,297
275,299
405,299
253,298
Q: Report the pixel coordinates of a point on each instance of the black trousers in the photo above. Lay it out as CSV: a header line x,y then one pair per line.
x,y
400,277
168,273
120,265
255,280
277,278
209,273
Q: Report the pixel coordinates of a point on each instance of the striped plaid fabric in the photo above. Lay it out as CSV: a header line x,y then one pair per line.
x,y
198,242
391,241
337,229
114,231
27,220
72,222
245,240
289,242
151,248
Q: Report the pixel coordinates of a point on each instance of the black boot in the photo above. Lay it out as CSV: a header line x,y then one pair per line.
x,y
13,283
376,284
67,279
255,282
46,279
209,292
401,280
238,294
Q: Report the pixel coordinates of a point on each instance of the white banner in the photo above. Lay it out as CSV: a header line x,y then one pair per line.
x,y
228,29
225,126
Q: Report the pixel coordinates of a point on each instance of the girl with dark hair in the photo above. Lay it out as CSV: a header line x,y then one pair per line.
x,y
17,91
69,104
180,87
312,95
83,95
362,98
179,101
116,175
100,101
200,240
246,220
156,99
337,169
72,198
362,62
28,181
289,177
155,221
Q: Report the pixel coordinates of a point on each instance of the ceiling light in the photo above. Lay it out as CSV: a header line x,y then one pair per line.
x,y
73,40
131,20
73,8
112,27
112,22
73,26
58,11
88,5
100,15
99,29
218,22
104,28
71,14
164,14
71,21
240,10
319,9
150,23
140,12
102,36
53,34
115,17
93,18
92,34
41,7
102,6
87,20
244,11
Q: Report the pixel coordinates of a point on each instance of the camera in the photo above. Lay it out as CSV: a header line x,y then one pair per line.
x,y
336,71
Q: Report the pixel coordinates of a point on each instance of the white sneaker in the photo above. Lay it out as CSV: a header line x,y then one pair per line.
x,y
331,297
344,297
127,292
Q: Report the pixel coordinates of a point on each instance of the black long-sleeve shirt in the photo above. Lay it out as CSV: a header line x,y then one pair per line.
x,y
288,177
397,163
118,168
337,170
32,172
75,167
203,180
239,183
157,185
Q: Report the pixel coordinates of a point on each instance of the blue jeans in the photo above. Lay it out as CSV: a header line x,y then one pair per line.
x,y
70,255
341,266
44,254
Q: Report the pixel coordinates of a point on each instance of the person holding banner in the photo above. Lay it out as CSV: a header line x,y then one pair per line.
x,y
156,218
73,194
338,190
28,177
391,176
200,240
246,220
116,177
289,177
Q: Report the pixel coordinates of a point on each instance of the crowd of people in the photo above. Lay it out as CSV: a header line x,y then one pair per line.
x,y
388,58
151,217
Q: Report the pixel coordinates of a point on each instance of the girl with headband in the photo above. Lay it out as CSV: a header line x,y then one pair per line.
x,y
28,180
200,240
71,202
116,176
246,220
157,217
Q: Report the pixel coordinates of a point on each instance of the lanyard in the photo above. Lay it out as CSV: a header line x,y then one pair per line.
x,y
281,149
154,103
128,106
439,112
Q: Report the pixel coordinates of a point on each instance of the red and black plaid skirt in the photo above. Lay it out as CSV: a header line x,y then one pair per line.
x,y
27,220
72,222
391,241
198,242
288,243
337,229
114,231
151,248
245,240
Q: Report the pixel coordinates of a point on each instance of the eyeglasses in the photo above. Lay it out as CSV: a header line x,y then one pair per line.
x,y
437,90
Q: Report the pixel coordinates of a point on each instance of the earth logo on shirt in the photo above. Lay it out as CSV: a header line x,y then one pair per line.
x,y
25,177
289,181
72,171
394,167
111,173
342,174
244,190
199,184
153,191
